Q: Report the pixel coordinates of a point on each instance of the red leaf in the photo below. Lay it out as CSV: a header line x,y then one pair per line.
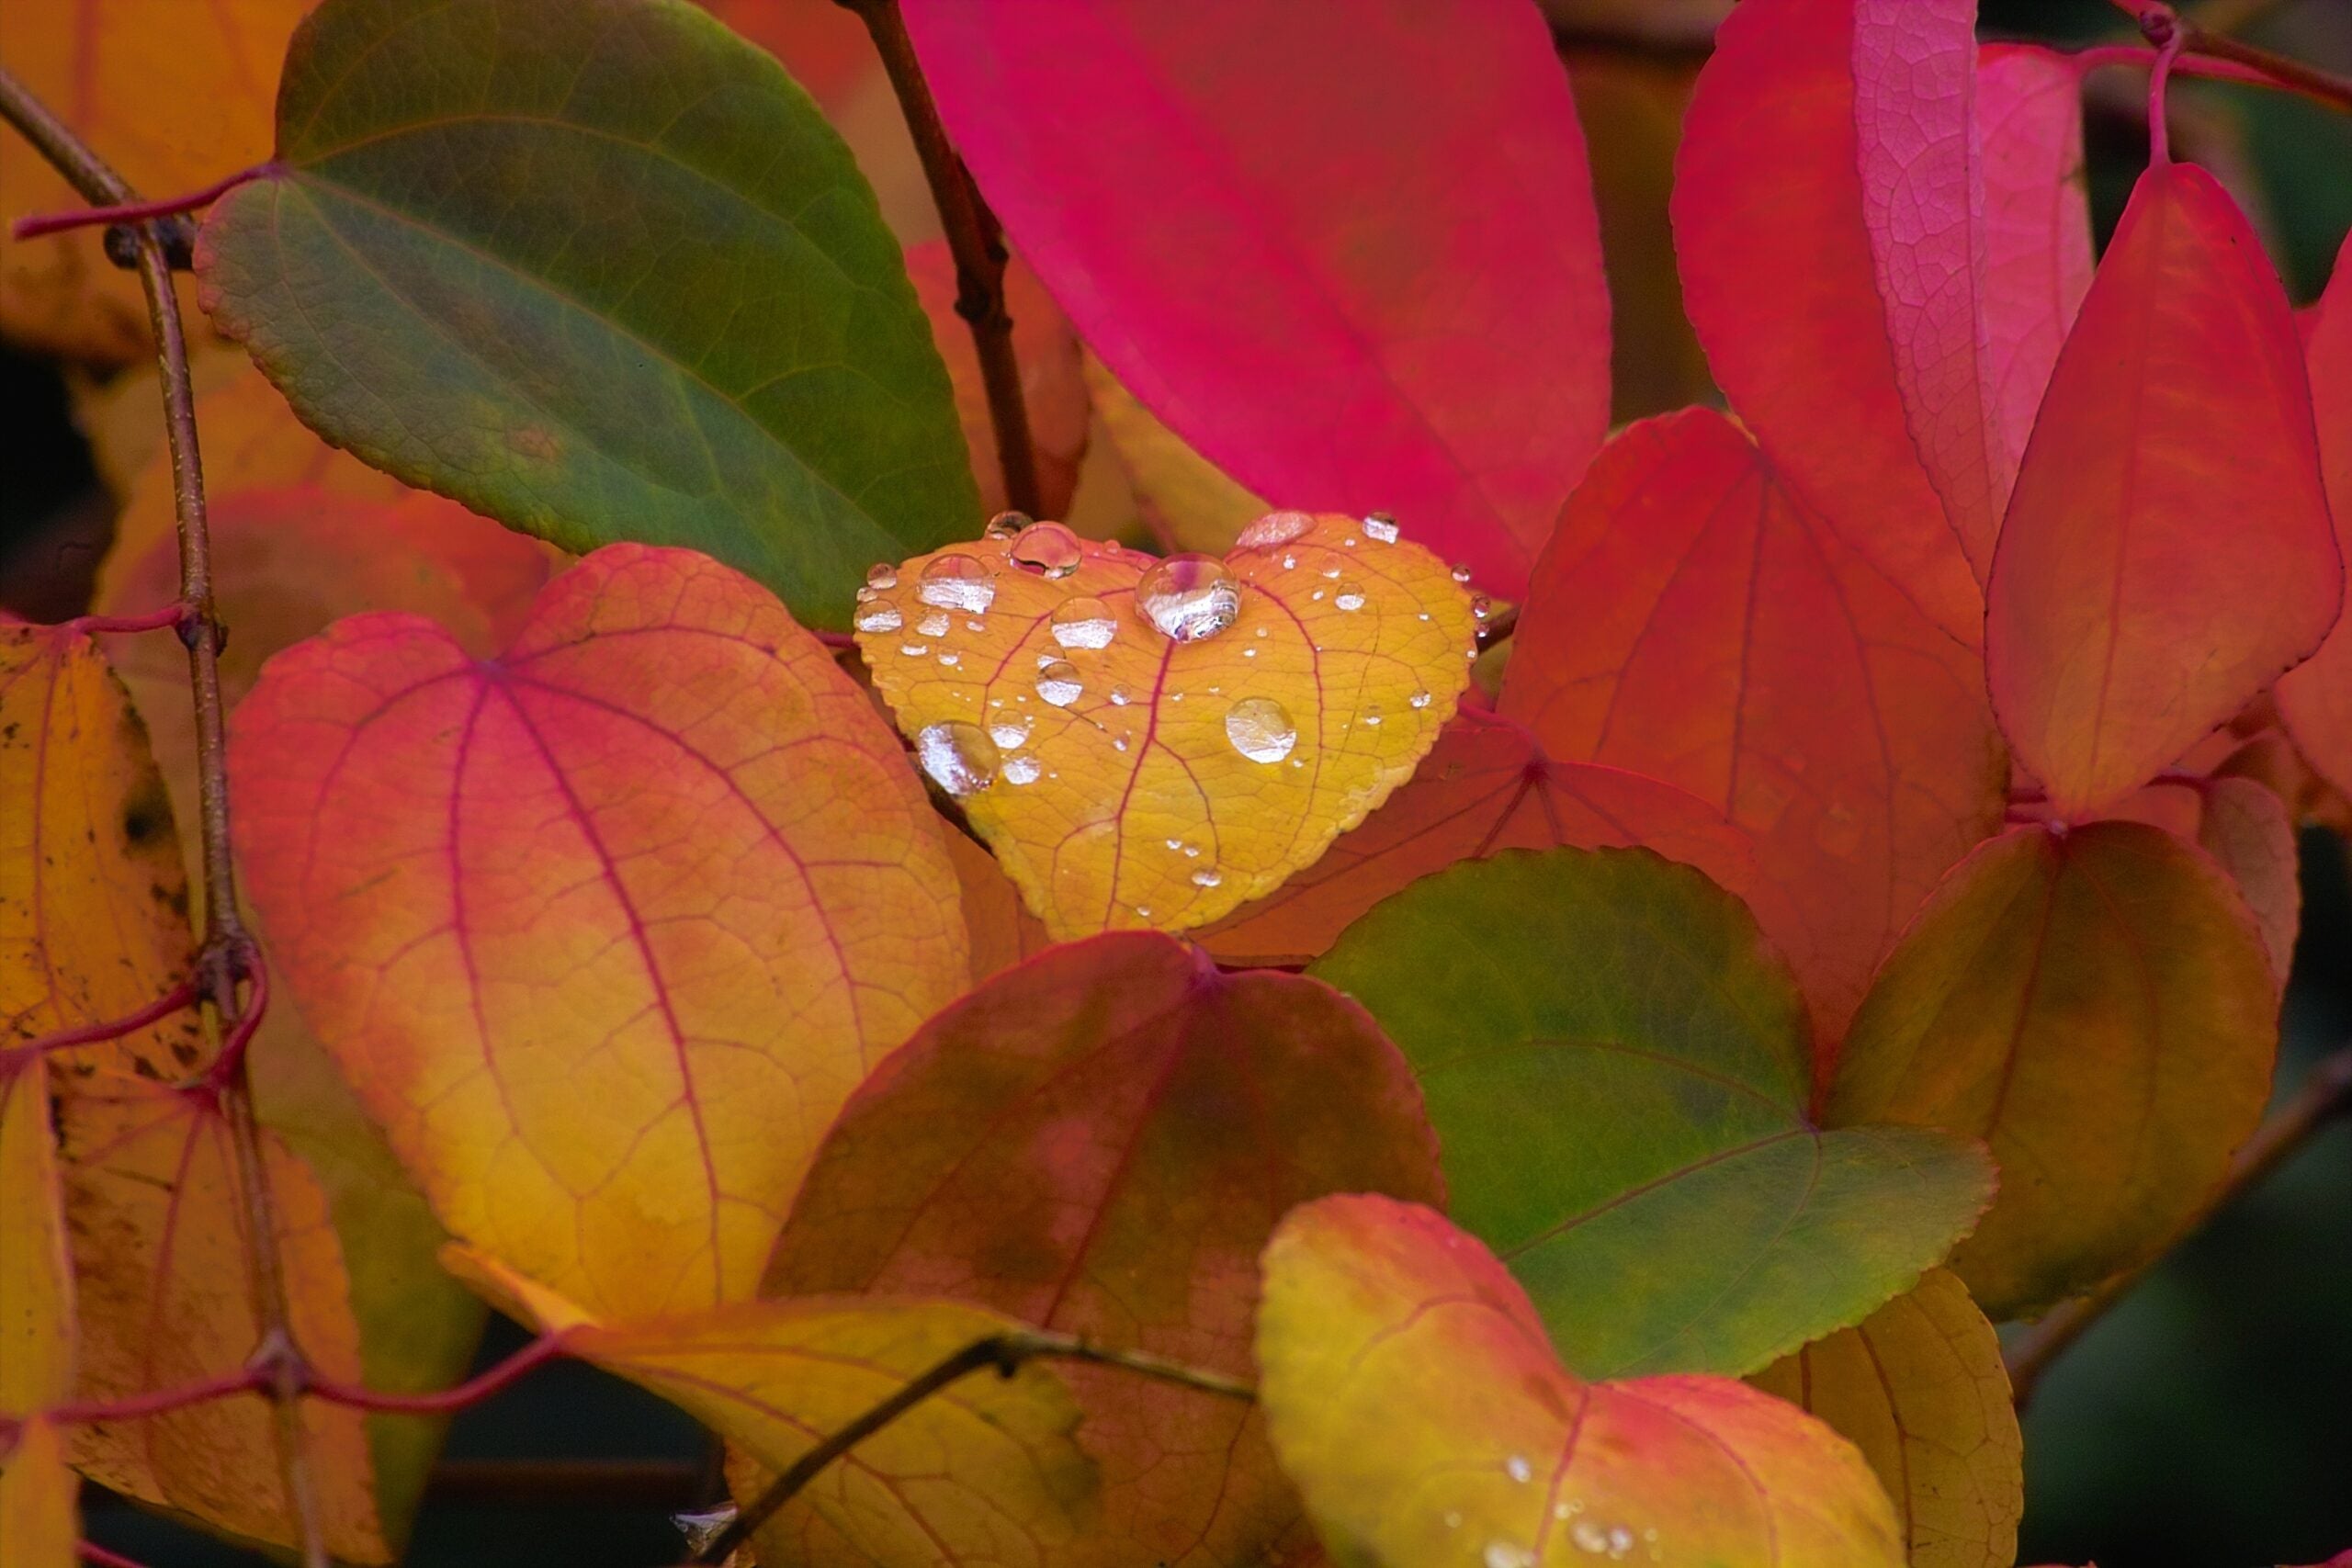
x,y
2316,699
1347,251
2167,554
1695,622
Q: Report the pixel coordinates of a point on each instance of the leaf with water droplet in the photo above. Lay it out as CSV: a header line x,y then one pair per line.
x,y
1380,1317
1215,702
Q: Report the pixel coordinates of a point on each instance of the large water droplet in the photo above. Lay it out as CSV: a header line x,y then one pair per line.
x,y
1084,623
1350,596
1047,549
1273,529
957,582
1059,682
1189,597
1006,525
1020,770
959,757
882,576
1008,730
879,618
1261,729
1380,526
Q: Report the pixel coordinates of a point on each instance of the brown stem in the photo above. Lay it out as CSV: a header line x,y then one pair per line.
x,y
226,954
2325,1095
2158,22
1006,1353
977,241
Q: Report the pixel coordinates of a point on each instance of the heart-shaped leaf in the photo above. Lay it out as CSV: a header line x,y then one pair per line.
x,y
1150,743
1616,1067
660,861
2096,1005
2315,698
1100,1142
598,269
1918,1386
1380,1318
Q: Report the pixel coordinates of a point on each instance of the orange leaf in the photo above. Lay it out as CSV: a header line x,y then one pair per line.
x,y
96,928
1003,929
35,1277
1918,1386
1130,776
1381,1318
1100,1142
602,930
1693,621
2123,621
2316,700
2245,825
96,65
1053,376
38,1524
2098,1007
1486,787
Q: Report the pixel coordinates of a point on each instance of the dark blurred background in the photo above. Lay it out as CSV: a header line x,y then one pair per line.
x,y
2205,1423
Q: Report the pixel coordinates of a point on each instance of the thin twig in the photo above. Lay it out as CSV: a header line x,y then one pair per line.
x,y
448,1401
41,223
2157,20
2325,1095
1005,1353
976,240
157,1402
97,1556
226,954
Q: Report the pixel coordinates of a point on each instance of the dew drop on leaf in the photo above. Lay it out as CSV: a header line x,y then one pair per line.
x,y
1520,1470
1207,877
1046,548
1461,573
1261,729
1006,525
1380,526
956,583
1189,597
878,618
1008,730
882,576
1020,770
1273,529
1084,623
1350,596
1420,699
1059,682
959,757
932,625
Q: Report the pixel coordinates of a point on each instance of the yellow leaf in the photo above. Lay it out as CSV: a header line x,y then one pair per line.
x,y
1918,1387
1147,743
35,1280
1188,499
37,1496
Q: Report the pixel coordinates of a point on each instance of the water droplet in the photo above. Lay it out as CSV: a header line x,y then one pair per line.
x,y
1261,729
1248,653
1332,571
1273,529
1118,743
1059,682
879,619
959,757
949,659
1420,699
1589,1536
1207,877
1461,572
882,576
914,649
1620,1541
1349,596
1189,597
1290,563
1142,913
1010,730
957,582
1382,527
1192,851
1372,717
1047,549
1005,525
1481,607
1020,770
1121,696
932,625
1084,623
1503,1554
1520,1470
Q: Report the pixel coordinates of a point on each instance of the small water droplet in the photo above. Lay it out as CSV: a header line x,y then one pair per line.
x,y
1461,572
957,582
1381,526
1189,597
1316,596
1503,1554
1372,717
1118,743
932,625
1520,1470
1349,596
949,659
1261,729
1248,653
1059,682
1206,876
1005,525
882,576
880,619
1046,548
1290,563
914,649
959,757
1332,571
1420,699
1142,913
1192,851
1121,696
1481,607
1010,730
1589,1536
1620,1541
1020,770
1273,529
1084,623
976,625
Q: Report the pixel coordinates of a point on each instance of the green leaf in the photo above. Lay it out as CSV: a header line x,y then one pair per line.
x,y
1615,1063
599,269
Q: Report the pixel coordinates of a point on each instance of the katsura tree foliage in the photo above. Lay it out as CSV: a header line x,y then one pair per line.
x,y
1404,979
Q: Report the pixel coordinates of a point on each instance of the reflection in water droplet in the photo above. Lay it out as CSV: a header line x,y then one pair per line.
x,y
1481,607
1084,623
1382,527
1461,572
1005,525
1349,596
1189,597
1261,729
932,625
1273,529
1205,878
879,619
1520,1470
1008,730
1059,682
1420,699
957,582
959,757
1020,770
1047,549
882,576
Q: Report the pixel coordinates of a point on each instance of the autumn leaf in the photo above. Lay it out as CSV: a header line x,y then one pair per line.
x,y
1099,1143
1152,743
1001,929
983,1471
97,63
1382,1318
37,1489
2095,1004
96,928
1342,305
2121,623
2247,829
602,930
1616,1067
1694,620
37,1517
1188,503
2315,698
1918,1386
1486,787
538,343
